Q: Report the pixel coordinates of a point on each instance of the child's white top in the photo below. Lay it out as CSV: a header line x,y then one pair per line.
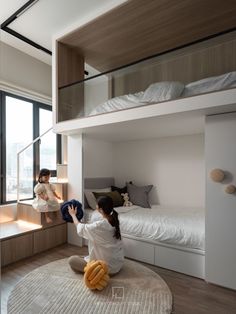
x,y
45,188
102,244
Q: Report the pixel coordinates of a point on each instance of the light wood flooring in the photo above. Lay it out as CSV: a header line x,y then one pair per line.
x,y
191,295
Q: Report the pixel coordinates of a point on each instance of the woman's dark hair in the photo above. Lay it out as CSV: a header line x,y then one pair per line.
x,y
43,172
106,204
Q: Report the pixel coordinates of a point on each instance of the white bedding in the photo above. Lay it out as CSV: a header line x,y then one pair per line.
x,y
162,91
118,103
176,226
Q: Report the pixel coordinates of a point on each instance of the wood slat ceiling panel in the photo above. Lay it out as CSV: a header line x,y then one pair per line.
x,y
138,29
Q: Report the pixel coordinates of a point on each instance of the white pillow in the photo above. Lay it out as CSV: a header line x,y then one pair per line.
x,y
91,198
210,84
162,91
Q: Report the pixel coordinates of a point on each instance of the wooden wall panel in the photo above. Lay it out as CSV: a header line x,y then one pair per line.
x,y
70,65
27,213
138,29
193,63
70,69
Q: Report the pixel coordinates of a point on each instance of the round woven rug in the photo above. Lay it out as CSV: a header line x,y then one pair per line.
x,y
55,288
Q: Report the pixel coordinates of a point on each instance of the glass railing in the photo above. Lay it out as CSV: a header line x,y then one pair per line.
x,y
164,77
23,180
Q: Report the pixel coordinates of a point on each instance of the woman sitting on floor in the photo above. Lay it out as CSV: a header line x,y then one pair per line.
x,y
104,238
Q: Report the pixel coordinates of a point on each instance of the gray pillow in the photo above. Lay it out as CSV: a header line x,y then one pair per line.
x,y
138,195
162,91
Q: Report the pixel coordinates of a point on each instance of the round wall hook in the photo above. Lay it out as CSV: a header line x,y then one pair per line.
x,y
230,189
217,175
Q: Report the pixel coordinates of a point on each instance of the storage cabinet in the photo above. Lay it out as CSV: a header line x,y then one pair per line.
x,y
48,238
17,248
137,250
183,261
220,150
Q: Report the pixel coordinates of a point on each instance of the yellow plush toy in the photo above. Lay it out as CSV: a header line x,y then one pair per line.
x,y
96,275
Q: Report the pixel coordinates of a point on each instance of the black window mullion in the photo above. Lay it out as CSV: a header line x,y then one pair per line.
x,y
3,148
36,148
58,139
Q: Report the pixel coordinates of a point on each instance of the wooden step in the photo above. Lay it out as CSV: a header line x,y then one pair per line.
x,y
26,212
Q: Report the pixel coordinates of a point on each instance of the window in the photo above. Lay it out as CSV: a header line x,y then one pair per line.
x,y
21,121
19,133
48,142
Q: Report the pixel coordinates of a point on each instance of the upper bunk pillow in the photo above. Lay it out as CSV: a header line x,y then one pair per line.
x,y
210,84
138,195
162,91
91,198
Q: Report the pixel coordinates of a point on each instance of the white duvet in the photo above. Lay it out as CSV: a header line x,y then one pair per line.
x,y
176,226
118,103
162,91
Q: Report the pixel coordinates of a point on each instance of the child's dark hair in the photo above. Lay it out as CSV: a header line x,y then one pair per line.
x,y
106,203
43,172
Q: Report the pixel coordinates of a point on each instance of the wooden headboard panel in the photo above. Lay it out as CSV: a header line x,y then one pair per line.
x,y
213,57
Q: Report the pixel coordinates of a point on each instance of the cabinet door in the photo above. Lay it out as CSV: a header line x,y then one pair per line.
x,y
16,248
220,144
50,237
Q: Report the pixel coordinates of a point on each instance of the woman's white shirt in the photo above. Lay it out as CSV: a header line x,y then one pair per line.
x,y
102,244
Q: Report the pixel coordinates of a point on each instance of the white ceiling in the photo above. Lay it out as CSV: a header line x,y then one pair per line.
x,y
48,18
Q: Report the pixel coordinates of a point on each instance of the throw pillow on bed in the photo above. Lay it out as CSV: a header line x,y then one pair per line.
x,y
120,190
116,197
162,91
138,195
91,198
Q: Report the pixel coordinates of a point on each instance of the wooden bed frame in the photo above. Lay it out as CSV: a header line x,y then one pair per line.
x,y
177,258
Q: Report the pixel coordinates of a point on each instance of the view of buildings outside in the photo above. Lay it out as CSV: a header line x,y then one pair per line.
x,y
19,133
48,142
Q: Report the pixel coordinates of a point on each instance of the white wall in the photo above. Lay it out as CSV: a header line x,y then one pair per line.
x,y
174,165
98,158
96,91
25,72
221,207
75,180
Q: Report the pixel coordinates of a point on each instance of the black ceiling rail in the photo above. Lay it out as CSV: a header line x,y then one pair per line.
x,y
13,17
26,40
20,11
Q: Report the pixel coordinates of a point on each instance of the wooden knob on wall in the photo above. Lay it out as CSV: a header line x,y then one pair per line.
x,y
217,175
230,189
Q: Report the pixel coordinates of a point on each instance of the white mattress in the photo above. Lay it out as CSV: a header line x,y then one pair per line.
x,y
176,226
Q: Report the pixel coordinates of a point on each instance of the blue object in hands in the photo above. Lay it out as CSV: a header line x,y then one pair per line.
x,y
65,213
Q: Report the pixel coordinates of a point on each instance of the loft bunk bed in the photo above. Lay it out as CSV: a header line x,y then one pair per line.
x,y
141,54
175,45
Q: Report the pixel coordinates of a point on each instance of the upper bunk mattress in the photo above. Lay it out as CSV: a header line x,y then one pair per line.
x,y
176,226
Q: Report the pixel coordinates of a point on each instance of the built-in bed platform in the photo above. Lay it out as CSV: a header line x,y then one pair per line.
x,y
180,258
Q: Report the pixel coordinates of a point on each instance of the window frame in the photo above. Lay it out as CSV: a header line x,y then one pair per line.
x,y
36,106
